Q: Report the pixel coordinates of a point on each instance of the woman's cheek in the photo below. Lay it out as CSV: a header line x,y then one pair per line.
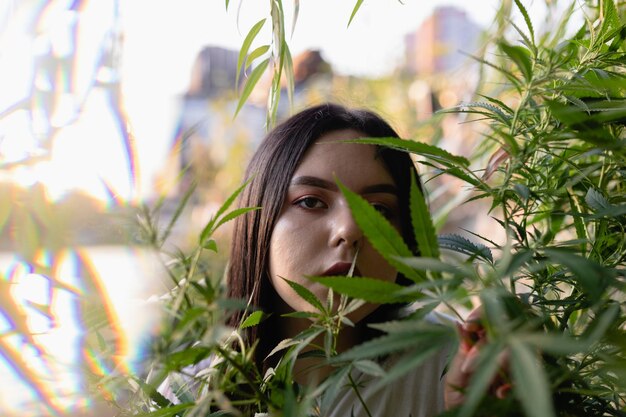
x,y
286,251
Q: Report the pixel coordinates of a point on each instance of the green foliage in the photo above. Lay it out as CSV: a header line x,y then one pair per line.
x,y
559,188
551,287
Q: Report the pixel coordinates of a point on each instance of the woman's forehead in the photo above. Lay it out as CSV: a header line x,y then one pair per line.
x,y
332,156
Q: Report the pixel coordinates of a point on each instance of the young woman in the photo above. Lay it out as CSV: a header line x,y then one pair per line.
x,y
305,228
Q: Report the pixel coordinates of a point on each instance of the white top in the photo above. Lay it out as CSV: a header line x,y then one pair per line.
x,y
419,393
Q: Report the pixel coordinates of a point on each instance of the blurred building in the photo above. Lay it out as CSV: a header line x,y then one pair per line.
x,y
437,57
205,130
312,75
214,72
308,65
441,43
209,147
443,76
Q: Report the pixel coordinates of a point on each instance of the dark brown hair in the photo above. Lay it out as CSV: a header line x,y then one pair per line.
x,y
270,171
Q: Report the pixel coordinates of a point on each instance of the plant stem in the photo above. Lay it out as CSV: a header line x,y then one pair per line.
x,y
358,394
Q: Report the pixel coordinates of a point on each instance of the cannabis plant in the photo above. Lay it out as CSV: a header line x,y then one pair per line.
x,y
552,292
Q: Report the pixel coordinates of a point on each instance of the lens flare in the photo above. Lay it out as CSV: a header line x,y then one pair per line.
x,y
86,319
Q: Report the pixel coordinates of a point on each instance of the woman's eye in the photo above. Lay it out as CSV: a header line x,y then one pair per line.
x,y
384,210
310,203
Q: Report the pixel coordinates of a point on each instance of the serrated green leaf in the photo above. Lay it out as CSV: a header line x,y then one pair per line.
x,y
252,320
610,19
368,289
435,265
495,112
499,103
578,103
618,36
613,105
243,52
419,148
462,175
462,245
526,40
369,367
530,382
529,23
306,295
380,233
253,79
391,343
422,223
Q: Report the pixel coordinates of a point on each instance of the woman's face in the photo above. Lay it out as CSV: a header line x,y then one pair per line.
x,y
315,233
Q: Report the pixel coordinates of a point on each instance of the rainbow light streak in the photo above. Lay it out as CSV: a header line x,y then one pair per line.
x,y
63,124
46,334
23,356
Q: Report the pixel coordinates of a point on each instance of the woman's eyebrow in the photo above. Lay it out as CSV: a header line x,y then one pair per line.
x,y
327,185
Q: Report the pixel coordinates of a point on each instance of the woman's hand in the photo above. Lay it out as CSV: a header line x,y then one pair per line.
x,y
473,338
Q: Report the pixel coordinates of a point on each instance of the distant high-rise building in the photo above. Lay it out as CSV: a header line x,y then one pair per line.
x,y
441,42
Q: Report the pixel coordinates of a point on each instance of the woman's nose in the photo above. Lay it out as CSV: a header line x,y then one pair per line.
x,y
344,229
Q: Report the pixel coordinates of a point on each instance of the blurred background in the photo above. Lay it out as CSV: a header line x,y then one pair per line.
x,y
109,108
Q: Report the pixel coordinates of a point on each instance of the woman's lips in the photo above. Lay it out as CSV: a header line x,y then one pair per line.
x,y
341,268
